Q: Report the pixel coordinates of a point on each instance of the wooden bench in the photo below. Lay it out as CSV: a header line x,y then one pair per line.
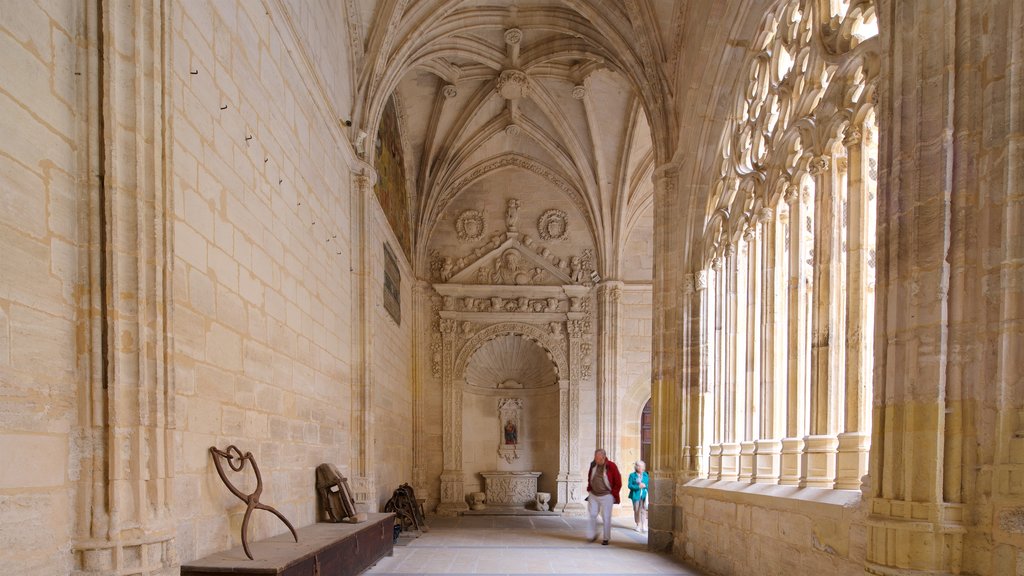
x,y
323,550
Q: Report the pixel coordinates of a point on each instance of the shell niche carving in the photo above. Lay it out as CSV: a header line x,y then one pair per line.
x,y
470,225
511,361
553,225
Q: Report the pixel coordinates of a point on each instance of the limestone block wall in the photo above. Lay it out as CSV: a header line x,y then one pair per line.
x,y
263,291
391,371
41,231
770,530
635,310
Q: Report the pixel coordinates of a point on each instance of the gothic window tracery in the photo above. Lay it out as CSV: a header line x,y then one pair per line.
x,y
787,312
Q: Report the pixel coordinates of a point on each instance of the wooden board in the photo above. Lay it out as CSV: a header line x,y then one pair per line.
x,y
323,550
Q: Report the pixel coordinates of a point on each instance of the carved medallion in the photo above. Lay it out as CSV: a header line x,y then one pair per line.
x,y
553,225
470,225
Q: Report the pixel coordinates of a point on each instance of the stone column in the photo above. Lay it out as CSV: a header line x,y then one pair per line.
x,y
819,459
947,450
125,500
750,378
717,332
732,379
769,442
793,443
608,295
852,458
693,465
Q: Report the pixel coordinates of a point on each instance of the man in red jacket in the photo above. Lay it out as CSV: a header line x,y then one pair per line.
x,y
604,484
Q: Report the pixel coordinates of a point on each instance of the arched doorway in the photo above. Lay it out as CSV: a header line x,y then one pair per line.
x,y
646,433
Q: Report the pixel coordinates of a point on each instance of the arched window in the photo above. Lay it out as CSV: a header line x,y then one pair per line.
x,y
788,292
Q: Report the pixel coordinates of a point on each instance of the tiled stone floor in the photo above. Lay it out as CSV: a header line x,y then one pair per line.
x,y
526,545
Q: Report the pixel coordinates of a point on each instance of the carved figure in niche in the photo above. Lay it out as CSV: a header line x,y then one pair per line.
x,y
448,303
470,225
497,303
447,269
511,434
524,304
574,304
469,303
512,215
575,269
552,225
538,275
510,412
552,305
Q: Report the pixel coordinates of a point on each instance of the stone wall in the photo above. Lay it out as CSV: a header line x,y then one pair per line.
x,y
730,528
253,297
391,370
262,300
42,230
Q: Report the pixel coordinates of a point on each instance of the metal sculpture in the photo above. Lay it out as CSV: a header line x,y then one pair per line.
x,y
407,509
252,501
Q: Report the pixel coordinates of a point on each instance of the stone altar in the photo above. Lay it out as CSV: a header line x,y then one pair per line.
x,y
512,489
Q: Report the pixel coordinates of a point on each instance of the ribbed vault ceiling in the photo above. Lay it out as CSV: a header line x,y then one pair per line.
x,y
574,89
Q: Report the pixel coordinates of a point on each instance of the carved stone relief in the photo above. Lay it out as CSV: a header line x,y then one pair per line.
x,y
553,225
470,226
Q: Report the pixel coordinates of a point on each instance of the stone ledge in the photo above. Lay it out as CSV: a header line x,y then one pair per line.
x,y
816,501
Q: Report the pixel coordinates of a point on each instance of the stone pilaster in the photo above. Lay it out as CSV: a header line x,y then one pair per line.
x,y
362,339
609,294
125,502
453,493
667,358
946,438
423,314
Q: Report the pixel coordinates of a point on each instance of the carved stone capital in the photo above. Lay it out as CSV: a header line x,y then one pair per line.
x,y
820,165
448,326
792,194
851,136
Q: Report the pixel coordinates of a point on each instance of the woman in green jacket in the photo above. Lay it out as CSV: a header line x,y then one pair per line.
x,y
638,494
